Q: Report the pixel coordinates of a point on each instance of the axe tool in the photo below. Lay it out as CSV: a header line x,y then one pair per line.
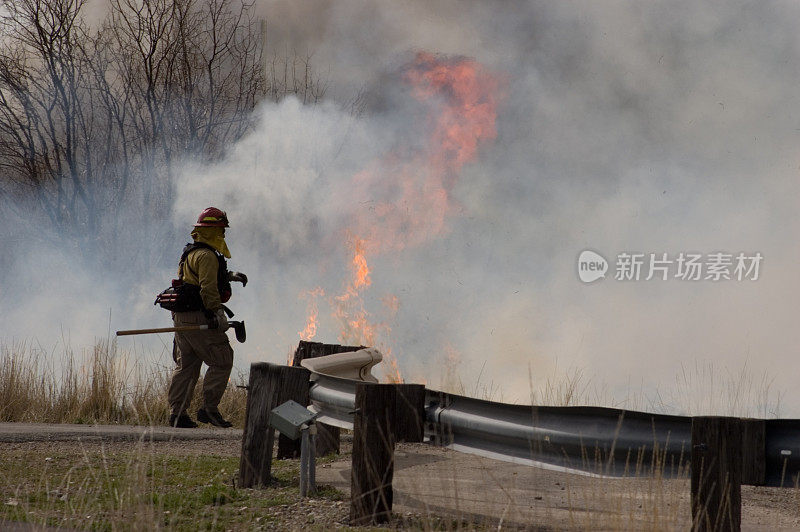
x,y
237,326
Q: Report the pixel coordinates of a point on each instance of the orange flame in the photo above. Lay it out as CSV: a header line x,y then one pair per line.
x,y
392,303
468,117
310,330
349,306
392,369
359,264
409,189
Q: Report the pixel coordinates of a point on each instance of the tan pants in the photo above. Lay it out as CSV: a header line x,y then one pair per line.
x,y
190,350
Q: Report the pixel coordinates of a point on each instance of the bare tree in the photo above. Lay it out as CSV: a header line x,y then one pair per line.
x,y
293,75
93,119
44,119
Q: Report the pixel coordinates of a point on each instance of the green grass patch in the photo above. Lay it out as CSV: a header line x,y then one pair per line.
x,y
142,487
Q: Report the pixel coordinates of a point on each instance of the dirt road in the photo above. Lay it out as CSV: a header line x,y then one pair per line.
x,y
442,482
21,432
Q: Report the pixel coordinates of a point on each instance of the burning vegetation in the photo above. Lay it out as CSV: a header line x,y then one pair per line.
x,y
410,188
99,117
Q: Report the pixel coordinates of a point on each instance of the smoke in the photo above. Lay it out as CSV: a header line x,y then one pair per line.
x,y
625,127
277,186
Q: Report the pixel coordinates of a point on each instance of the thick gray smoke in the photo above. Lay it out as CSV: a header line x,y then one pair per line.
x,y
626,127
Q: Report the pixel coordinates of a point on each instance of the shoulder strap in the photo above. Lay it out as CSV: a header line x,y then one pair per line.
x,y
188,248
191,246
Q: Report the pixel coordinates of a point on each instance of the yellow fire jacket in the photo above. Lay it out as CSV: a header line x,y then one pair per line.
x,y
201,269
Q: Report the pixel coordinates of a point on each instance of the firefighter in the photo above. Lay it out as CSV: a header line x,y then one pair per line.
x,y
203,268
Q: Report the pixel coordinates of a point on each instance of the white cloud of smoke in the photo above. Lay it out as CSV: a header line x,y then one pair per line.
x,y
626,127
656,127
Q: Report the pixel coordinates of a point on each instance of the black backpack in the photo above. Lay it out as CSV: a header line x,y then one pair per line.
x,y
185,297
180,297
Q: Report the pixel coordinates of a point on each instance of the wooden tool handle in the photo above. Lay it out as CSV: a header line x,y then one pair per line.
x,y
183,328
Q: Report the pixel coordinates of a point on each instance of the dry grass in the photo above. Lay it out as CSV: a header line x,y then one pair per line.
x,y
107,385
100,385
700,389
704,389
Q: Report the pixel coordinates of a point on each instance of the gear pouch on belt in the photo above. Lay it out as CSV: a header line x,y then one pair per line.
x,y
180,297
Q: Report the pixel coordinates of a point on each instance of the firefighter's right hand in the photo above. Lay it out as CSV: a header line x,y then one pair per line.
x,y
238,277
220,320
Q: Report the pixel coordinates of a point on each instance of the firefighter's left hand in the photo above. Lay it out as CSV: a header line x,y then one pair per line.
x,y
238,276
220,320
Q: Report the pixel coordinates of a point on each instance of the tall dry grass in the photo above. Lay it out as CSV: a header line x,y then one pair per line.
x,y
105,384
702,388
100,385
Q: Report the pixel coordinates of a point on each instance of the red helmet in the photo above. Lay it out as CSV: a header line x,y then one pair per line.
x,y
212,217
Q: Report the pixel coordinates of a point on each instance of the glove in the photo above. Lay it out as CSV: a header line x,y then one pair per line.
x,y
238,277
219,321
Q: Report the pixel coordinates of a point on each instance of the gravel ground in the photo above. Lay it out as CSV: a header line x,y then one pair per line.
x,y
487,493
328,511
439,488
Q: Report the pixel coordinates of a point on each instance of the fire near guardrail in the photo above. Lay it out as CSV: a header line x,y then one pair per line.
x,y
721,452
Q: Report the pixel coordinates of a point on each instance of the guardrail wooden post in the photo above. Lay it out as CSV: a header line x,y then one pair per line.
x,y
754,454
328,436
269,386
297,390
410,413
716,473
373,453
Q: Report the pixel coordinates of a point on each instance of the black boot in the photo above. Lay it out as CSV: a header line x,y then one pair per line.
x,y
182,421
214,418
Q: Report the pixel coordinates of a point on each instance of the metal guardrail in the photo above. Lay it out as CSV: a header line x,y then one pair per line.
x,y
782,447
586,440
589,440
356,365
334,399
